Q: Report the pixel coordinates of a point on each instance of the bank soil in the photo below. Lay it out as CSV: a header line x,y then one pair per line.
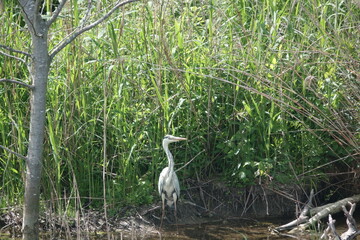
x,y
200,203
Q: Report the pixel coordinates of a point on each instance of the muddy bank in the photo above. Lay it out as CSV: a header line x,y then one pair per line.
x,y
200,203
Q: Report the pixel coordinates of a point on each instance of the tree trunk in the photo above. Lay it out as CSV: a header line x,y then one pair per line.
x,y
40,63
36,138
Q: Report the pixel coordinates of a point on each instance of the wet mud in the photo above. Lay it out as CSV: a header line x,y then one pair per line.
x,y
207,210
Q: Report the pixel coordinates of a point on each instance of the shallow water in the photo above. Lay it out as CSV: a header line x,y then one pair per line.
x,y
233,229
229,229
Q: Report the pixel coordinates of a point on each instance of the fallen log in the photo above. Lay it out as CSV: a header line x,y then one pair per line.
x,y
303,217
310,216
324,212
330,232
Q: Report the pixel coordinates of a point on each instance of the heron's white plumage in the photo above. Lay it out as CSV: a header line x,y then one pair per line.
x,y
168,186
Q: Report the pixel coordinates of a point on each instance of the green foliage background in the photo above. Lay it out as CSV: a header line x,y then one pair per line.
x,y
260,89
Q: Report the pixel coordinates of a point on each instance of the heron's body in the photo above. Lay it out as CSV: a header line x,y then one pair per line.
x,y
168,186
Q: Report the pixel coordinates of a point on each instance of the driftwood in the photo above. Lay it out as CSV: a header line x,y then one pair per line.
x,y
309,216
303,217
330,232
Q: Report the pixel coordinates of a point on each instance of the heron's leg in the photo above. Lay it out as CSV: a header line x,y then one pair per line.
x,y
163,209
175,211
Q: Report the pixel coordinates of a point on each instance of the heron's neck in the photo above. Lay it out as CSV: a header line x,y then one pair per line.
x,y
169,156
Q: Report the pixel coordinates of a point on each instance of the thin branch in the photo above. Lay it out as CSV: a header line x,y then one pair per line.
x,y
190,161
84,29
12,152
12,56
56,13
14,50
16,82
87,14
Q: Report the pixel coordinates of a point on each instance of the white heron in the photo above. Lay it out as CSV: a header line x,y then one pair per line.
x,y
169,188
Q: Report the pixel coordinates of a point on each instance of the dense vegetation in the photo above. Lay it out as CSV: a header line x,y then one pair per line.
x,y
260,88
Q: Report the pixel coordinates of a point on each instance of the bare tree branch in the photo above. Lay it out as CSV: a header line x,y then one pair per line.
x,y
30,6
12,152
16,82
75,34
87,14
14,50
12,56
56,13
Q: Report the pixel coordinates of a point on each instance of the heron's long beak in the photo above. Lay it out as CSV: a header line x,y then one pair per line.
x,y
178,139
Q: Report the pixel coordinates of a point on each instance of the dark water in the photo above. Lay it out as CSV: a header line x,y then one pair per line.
x,y
233,229
230,229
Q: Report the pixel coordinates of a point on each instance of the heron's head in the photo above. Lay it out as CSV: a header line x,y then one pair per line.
x,y
169,139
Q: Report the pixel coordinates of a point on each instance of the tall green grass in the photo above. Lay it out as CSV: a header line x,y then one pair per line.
x,y
260,88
